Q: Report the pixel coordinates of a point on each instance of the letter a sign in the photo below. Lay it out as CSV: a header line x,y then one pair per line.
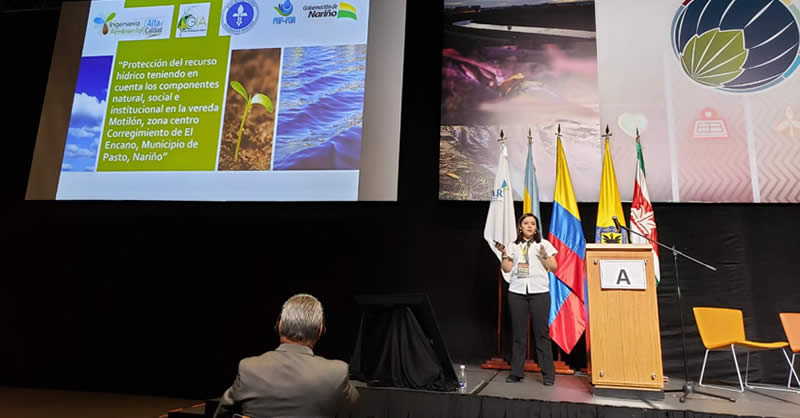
x,y
623,274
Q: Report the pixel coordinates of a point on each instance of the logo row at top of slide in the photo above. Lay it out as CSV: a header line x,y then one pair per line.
x,y
251,24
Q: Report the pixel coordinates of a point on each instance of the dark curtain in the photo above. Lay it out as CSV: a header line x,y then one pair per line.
x,y
393,350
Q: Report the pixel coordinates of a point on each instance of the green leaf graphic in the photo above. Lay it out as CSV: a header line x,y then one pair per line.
x,y
240,89
263,101
715,57
111,16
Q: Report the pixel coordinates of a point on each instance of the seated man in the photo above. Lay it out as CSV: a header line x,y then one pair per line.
x,y
291,381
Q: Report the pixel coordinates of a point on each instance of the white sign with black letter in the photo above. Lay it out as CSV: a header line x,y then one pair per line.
x,y
622,274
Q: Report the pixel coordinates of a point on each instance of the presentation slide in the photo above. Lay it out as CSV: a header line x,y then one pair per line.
x,y
526,68
711,86
222,100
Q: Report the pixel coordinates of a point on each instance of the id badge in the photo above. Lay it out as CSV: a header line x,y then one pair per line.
x,y
522,270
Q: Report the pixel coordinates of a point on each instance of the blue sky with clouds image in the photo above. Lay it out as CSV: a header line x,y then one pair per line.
x,y
88,109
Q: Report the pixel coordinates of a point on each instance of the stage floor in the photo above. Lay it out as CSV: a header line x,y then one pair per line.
x,y
47,403
485,387
577,389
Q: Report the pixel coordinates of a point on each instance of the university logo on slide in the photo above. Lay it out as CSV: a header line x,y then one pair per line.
x,y
346,11
131,26
737,45
104,22
285,9
239,16
193,20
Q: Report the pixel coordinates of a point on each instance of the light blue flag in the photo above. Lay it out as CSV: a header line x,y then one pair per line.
x,y
530,195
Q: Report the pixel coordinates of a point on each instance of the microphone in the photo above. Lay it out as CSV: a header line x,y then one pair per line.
x,y
616,223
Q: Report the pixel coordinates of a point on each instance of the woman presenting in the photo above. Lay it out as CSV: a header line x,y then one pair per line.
x,y
529,259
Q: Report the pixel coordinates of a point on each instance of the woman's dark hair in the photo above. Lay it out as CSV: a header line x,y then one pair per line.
x,y
537,236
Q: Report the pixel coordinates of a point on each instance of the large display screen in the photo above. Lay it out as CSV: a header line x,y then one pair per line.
x,y
711,86
223,100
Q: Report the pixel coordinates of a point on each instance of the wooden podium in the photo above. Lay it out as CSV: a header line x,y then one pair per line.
x,y
625,340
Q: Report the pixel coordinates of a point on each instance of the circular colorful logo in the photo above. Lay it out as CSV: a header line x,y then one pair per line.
x,y
239,16
737,46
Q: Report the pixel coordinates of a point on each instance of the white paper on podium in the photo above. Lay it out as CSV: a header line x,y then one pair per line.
x,y
623,274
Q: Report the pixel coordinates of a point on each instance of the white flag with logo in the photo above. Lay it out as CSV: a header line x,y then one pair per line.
x,y
501,225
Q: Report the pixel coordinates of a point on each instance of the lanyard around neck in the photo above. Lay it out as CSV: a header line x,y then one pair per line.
x,y
525,251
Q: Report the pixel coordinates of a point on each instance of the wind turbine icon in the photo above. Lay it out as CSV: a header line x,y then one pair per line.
x,y
790,124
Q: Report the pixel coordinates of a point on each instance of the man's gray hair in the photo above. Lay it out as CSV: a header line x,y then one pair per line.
x,y
301,318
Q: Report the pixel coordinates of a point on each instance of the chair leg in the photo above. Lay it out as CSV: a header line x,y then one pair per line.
x,y
738,373
747,370
791,371
702,371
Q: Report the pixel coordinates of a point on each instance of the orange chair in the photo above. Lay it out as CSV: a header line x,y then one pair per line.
x,y
722,329
791,326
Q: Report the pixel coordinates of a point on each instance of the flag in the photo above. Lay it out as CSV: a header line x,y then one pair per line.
x,y
568,283
501,225
643,219
530,195
609,205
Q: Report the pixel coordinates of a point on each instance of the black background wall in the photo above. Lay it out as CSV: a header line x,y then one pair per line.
x,y
165,298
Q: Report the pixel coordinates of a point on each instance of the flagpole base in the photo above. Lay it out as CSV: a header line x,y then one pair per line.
x,y
497,363
532,366
561,367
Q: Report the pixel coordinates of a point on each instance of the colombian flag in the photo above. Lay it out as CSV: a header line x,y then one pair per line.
x,y
567,284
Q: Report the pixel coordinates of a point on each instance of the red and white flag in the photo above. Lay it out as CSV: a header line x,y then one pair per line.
x,y
643,219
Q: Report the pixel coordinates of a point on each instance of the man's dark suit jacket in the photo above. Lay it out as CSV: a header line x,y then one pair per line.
x,y
290,381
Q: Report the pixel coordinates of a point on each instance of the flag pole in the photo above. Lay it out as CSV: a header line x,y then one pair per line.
x,y
560,365
530,365
498,362
499,314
